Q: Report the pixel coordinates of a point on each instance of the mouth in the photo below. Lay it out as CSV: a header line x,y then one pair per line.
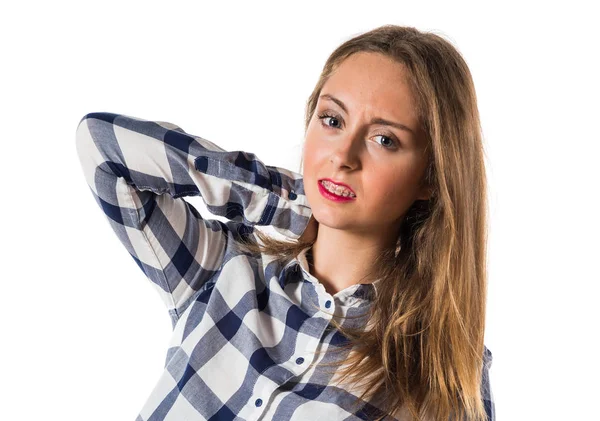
x,y
337,189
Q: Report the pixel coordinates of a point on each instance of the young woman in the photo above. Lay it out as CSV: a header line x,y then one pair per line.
x,y
372,305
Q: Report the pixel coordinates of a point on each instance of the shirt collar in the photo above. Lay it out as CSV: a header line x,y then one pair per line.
x,y
353,293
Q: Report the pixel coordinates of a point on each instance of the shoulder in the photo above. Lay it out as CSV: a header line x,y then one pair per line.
x,y
487,356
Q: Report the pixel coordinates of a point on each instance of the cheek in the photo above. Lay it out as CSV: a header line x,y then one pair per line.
x,y
307,162
378,195
309,173
386,189
311,156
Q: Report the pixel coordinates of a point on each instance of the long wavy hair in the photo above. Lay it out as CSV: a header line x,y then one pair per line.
x,y
424,349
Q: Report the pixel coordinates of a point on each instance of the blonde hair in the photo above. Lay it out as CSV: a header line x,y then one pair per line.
x,y
426,344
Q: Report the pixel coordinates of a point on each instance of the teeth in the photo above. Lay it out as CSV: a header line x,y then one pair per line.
x,y
340,191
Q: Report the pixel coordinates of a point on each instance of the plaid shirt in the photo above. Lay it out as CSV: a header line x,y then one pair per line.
x,y
245,329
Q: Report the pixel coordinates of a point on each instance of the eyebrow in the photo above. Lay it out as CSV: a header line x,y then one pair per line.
x,y
376,120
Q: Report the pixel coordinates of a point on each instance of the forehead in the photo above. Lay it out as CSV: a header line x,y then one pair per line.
x,y
374,81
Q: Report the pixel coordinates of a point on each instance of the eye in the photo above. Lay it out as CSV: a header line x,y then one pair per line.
x,y
333,117
389,144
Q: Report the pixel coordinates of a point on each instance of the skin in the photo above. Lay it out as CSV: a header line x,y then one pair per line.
x,y
384,165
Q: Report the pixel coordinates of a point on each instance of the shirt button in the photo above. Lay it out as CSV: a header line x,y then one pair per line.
x,y
299,360
258,402
328,303
292,195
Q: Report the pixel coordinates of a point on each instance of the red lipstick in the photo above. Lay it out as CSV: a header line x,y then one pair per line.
x,y
334,197
339,184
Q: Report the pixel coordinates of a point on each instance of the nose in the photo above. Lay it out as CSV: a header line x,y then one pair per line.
x,y
346,152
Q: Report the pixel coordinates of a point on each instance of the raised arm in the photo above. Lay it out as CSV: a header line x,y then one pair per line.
x,y
140,170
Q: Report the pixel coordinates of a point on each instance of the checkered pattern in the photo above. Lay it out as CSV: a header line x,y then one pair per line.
x,y
245,328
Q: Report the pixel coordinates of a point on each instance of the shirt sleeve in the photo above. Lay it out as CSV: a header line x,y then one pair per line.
x,y
486,391
139,172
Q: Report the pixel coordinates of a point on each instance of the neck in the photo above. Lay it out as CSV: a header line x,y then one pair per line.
x,y
340,258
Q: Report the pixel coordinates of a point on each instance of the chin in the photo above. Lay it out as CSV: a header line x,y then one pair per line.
x,y
331,219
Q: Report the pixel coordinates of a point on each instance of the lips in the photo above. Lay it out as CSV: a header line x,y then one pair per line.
x,y
339,183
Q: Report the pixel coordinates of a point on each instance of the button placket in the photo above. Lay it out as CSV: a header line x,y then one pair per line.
x,y
263,390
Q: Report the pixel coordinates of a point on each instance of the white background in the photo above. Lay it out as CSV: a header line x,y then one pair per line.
x,y
85,334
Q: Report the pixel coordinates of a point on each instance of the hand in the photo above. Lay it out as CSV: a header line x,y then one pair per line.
x,y
310,232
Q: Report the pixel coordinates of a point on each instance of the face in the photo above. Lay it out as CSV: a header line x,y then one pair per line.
x,y
383,164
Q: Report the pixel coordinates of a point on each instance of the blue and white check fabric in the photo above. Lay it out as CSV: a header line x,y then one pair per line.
x,y
246,329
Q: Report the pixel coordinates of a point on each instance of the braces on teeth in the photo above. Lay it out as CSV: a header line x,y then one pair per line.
x,y
340,191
